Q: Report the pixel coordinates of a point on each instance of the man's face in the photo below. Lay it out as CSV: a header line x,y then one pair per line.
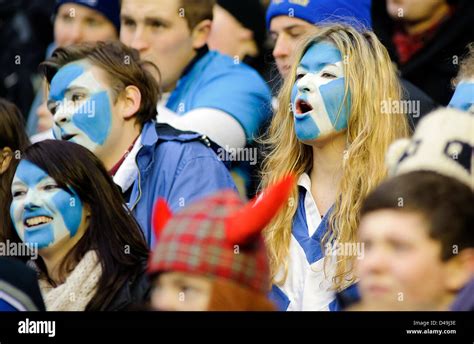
x,y
81,102
318,93
226,32
178,291
401,267
413,10
76,23
42,212
286,33
159,31
463,97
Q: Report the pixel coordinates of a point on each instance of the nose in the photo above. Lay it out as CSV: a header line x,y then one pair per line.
x,y
61,115
282,47
305,85
140,39
374,261
32,201
76,33
164,301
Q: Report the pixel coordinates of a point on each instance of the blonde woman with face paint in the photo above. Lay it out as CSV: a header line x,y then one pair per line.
x,y
332,129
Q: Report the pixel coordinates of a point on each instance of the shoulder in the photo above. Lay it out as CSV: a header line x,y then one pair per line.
x,y
185,143
135,290
225,69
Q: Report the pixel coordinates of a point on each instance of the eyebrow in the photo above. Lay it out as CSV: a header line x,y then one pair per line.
x,y
147,20
17,183
126,17
288,28
153,20
320,64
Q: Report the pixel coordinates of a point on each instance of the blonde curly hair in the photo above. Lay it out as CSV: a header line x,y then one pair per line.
x,y
371,78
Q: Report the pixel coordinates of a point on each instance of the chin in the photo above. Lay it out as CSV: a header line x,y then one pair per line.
x,y
325,138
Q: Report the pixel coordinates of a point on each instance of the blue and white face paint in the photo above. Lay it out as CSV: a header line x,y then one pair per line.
x,y
41,211
81,106
463,97
318,94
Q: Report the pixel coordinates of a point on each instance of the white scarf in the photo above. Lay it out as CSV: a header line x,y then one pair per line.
x,y
78,289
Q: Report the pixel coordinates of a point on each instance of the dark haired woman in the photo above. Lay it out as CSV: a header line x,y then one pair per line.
x,y
13,140
92,251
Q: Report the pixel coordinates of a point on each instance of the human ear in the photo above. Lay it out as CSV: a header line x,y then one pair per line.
x,y
131,99
200,33
459,270
6,156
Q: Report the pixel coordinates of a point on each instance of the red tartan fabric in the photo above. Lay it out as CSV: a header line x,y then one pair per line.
x,y
194,241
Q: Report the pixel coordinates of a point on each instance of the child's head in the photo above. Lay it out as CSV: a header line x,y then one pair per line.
x,y
211,256
416,229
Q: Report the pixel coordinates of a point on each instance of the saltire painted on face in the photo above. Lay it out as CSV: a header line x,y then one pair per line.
x,y
87,121
463,97
318,93
41,211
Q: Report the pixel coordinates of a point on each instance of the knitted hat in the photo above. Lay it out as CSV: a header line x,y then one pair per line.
x,y
443,142
108,8
219,236
19,289
249,13
315,12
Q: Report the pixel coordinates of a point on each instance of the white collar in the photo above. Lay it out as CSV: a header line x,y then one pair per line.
x,y
313,216
128,171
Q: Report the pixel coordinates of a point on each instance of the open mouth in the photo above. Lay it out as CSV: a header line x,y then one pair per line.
x,y
67,137
37,221
302,107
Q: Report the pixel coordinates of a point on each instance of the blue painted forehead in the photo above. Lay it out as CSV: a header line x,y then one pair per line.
x,y
63,79
320,54
30,173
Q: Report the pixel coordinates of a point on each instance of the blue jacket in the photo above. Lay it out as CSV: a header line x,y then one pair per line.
x,y
175,165
213,80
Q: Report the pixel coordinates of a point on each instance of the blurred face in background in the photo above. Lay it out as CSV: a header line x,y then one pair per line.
x,y
286,32
179,291
161,34
76,23
414,10
402,268
229,36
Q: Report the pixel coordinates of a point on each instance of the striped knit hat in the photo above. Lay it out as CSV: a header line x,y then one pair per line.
x,y
218,236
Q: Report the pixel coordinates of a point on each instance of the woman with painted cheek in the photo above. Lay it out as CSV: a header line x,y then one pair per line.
x,y
89,246
13,141
332,131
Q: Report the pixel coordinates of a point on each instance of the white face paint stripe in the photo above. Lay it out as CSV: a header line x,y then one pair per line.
x,y
320,114
87,81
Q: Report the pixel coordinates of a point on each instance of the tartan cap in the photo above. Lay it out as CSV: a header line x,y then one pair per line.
x,y
218,236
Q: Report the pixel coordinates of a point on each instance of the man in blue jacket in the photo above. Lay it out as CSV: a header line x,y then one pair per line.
x,y
205,91
104,97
